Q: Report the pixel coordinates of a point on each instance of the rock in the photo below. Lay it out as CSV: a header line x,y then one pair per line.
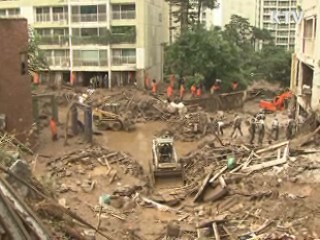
x,y
173,229
205,232
21,169
117,202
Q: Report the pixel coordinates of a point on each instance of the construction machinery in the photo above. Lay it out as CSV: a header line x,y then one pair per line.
x,y
165,162
277,104
104,120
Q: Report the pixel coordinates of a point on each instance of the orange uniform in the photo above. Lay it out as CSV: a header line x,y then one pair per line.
x,y
53,128
199,92
72,79
193,90
147,82
182,91
170,91
154,88
36,79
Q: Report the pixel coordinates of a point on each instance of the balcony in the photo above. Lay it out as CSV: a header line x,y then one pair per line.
x,y
120,15
308,47
58,61
95,40
77,18
123,60
90,62
60,17
117,38
43,17
54,40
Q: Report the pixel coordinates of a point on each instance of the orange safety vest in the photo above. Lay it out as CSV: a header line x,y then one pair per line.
x,y
154,88
53,127
182,90
36,79
170,91
72,79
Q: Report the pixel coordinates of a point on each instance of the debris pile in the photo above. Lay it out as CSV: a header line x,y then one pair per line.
x,y
91,157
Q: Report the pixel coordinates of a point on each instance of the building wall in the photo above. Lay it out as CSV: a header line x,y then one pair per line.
x,y
306,65
243,8
15,92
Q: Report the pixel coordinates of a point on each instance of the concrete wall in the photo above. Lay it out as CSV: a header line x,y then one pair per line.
x,y
15,87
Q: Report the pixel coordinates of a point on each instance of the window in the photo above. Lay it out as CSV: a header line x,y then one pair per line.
x,y
44,31
90,57
2,12
89,13
13,12
87,32
124,11
59,14
123,56
43,14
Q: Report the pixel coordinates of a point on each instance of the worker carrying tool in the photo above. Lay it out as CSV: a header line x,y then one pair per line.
x,y
260,130
53,128
291,128
252,129
275,129
237,125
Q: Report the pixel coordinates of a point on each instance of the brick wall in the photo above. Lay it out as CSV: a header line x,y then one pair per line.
x,y
15,88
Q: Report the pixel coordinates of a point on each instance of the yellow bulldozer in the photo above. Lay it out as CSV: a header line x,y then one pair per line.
x,y
105,120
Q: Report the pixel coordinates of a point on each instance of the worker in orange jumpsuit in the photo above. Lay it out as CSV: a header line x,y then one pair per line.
x,y
73,79
170,91
154,86
53,128
36,79
199,91
182,91
193,90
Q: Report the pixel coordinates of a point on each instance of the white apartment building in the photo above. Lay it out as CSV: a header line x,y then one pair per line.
x,y
121,39
283,32
305,77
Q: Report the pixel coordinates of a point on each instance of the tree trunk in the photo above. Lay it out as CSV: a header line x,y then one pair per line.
x,y
184,16
199,12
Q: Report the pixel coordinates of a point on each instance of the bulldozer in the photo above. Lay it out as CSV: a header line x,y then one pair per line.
x,y
104,120
165,162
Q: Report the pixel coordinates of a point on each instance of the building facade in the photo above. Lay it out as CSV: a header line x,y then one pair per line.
x,y
117,40
305,77
273,18
15,89
245,8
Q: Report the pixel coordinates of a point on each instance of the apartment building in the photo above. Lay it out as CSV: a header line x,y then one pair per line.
x,y
305,75
248,9
119,40
283,31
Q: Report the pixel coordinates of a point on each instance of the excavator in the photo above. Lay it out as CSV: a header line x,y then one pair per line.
x,y
277,104
105,120
165,163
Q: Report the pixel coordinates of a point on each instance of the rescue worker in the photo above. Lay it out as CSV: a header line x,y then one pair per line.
x,y
182,91
220,127
73,79
252,129
275,129
147,83
170,91
172,80
199,91
237,125
154,86
260,130
193,90
235,86
291,128
53,128
261,115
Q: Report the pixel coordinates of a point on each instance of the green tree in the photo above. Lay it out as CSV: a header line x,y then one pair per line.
x,y
36,59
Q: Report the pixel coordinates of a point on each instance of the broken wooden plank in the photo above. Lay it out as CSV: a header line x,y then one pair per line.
x,y
218,174
251,151
272,147
269,163
216,231
202,187
208,222
222,182
229,233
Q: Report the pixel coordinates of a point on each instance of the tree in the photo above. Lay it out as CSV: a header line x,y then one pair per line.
x,y
36,60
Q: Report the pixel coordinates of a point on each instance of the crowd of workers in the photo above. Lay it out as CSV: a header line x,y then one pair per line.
x,y
196,90
256,127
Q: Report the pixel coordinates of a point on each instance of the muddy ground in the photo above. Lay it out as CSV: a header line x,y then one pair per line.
x,y
290,201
